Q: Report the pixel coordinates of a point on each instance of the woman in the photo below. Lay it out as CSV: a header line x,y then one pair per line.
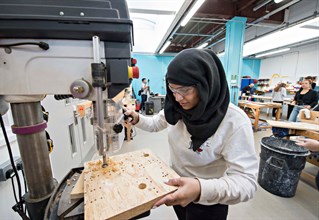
x,y
278,96
304,98
211,141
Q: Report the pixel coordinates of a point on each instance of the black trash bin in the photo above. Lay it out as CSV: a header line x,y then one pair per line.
x,y
149,108
281,163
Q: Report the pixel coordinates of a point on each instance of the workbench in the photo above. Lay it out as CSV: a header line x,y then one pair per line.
x,y
245,97
268,98
305,129
298,128
253,109
262,98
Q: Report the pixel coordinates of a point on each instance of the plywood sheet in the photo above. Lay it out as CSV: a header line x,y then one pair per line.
x,y
129,186
78,189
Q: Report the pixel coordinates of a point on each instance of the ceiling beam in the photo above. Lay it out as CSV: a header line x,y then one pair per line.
x,y
246,5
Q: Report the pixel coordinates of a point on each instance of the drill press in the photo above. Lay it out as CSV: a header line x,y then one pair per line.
x,y
46,49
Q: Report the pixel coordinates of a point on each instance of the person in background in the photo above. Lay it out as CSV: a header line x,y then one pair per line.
x,y
211,141
144,91
278,96
247,89
304,98
312,79
312,145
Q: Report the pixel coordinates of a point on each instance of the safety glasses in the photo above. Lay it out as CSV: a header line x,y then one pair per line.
x,y
183,91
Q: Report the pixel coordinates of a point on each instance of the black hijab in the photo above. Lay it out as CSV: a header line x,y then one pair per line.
x,y
200,68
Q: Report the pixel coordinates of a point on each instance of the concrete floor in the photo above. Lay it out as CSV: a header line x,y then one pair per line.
x,y
304,205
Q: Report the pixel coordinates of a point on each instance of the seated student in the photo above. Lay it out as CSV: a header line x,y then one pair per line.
x,y
304,98
211,141
312,80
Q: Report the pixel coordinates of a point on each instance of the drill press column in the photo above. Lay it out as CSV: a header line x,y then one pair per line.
x,y
29,127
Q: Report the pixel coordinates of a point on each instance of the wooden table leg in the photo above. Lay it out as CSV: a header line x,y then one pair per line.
x,y
278,113
257,113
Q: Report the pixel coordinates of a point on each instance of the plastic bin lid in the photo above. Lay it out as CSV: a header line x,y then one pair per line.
x,y
284,146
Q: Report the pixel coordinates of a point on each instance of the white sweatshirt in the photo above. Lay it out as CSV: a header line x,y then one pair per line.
x,y
279,96
226,168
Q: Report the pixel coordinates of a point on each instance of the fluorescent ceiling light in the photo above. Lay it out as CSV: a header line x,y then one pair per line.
x,y
165,46
298,33
192,12
202,45
278,1
272,52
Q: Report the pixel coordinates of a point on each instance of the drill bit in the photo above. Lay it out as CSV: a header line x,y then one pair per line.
x,y
104,161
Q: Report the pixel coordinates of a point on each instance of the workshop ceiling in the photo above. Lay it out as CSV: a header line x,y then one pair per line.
x,y
206,25
209,21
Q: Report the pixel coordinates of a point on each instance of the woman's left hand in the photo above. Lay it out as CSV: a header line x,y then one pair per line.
x,y
307,106
187,192
311,144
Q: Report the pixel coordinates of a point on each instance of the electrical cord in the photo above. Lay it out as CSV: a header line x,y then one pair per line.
x,y
42,45
25,182
20,167
19,204
14,189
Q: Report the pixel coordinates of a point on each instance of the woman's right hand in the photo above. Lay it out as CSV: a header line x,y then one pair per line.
x,y
135,116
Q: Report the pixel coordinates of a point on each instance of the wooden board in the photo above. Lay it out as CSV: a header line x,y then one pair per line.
x,y
250,104
293,125
128,186
78,189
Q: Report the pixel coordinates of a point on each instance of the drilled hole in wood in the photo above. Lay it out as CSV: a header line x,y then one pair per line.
x,y
142,186
146,155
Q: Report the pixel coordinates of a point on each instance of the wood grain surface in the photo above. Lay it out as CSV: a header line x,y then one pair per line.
x,y
294,125
78,189
128,186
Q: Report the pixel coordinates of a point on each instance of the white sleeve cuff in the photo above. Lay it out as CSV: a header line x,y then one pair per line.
x,y
208,192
